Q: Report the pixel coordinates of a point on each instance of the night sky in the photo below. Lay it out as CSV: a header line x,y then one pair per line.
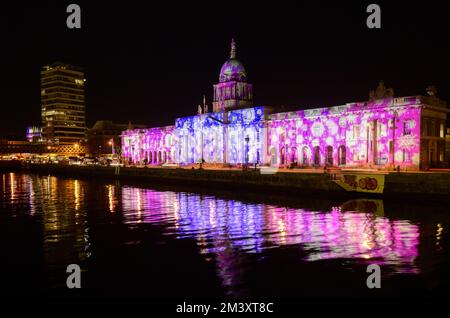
x,y
150,63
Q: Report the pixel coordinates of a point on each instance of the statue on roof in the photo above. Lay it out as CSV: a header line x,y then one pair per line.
x,y
381,92
233,49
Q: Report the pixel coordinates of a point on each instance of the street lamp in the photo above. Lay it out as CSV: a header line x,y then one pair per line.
x,y
247,139
111,143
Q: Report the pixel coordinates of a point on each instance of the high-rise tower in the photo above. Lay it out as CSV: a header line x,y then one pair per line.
x,y
62,104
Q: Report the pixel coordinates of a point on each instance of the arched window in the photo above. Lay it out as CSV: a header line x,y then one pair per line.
x,y
273,156
150,157
305,156
342,155
329,155
159,156
154,157
282,155
164,156
293,155
316,156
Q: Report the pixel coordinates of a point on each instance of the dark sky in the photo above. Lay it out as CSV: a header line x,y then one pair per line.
x,y
149,62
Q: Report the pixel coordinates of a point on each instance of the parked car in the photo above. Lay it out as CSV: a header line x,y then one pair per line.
x,y
90,161
74,161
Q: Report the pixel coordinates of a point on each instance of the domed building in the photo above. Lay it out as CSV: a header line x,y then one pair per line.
x,y
233,91
382,132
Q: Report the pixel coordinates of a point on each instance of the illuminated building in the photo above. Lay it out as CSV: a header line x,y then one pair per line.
x,y
153,145
34,134
383,132
233,91
63,104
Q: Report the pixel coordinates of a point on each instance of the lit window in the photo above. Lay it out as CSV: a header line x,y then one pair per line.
x,y
407,127
441,130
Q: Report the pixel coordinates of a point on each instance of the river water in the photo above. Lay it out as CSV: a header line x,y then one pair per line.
x,y
142,240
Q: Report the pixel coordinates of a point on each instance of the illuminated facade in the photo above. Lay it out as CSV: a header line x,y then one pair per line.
x,y
152,146
232,137
357,134
34,134
384,132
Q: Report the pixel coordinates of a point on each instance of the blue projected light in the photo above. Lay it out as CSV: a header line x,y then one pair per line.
x,y
210,138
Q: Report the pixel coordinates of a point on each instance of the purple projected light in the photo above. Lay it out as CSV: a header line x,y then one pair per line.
x,y
351,135
154,145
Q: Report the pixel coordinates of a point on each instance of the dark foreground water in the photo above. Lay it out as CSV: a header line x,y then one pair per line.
x,y
134,240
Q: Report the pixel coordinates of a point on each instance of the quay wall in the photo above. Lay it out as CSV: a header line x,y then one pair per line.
x,y
414,186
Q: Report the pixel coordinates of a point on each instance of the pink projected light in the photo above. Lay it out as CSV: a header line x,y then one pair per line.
x,y
252,228
355,134
152,146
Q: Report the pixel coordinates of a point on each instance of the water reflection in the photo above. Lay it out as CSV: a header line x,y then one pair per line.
x,y
219,225
112,197
59,205
226,231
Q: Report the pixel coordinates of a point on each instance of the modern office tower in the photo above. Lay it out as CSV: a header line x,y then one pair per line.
x,y
62,104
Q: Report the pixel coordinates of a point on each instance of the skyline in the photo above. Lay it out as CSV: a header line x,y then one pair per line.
x,y
319,56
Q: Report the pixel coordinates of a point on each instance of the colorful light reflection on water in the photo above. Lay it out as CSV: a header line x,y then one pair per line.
x,y
254,227
229,233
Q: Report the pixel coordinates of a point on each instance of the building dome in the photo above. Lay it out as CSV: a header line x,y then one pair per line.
x,y
232,70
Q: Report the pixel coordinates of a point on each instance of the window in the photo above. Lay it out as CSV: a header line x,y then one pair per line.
x,y
407,127
405,156
432,128
305,157
317,156
441,130
424,127
329,155
356,132
342,155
